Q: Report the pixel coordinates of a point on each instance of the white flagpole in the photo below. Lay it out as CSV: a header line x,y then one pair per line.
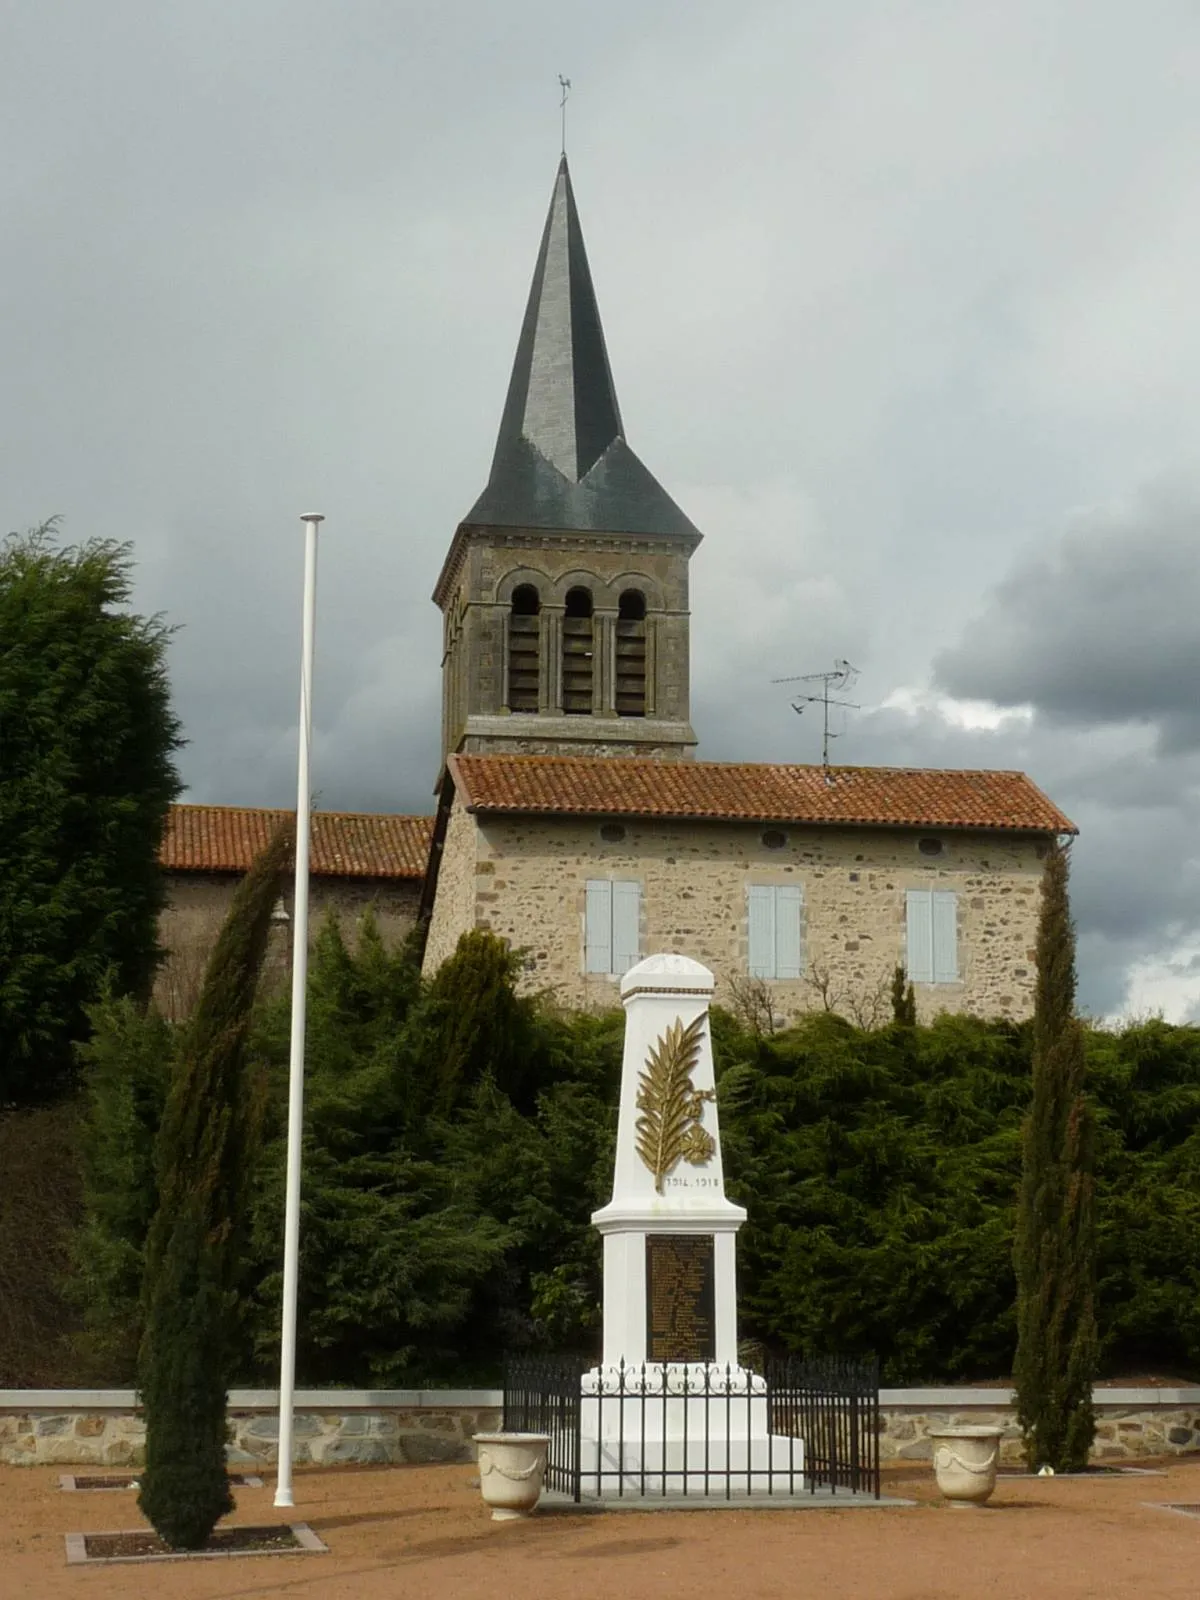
x,y
295,1135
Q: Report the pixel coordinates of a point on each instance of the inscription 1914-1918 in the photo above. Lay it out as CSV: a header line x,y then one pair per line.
x,y
680,1309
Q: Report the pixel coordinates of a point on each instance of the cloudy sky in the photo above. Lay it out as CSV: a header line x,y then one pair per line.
x,y
901,304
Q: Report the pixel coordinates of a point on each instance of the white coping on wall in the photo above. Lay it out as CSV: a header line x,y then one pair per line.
x,y
259,1399
1002,1399
482,1399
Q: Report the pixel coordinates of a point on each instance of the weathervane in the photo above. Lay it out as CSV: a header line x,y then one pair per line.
x,y
842,676
565,85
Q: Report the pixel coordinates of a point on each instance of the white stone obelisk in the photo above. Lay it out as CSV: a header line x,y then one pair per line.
x,y
688,1198
670,1410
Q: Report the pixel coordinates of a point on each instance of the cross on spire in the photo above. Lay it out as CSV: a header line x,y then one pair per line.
x,y
565,85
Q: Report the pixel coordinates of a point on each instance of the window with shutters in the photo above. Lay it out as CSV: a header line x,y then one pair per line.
x,y
631,654
577,653
524,648
612,934
775,914
932,943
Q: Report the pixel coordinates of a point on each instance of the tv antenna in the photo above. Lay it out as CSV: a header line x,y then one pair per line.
x,y
842,677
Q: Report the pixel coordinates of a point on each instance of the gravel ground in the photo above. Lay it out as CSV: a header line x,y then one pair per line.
x,y
421,1533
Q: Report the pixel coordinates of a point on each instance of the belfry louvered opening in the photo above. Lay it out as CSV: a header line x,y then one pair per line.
x,y
578,653
631,654
524,638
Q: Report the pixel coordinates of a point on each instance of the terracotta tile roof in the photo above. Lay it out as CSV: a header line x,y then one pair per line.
x,y
755,792
345,844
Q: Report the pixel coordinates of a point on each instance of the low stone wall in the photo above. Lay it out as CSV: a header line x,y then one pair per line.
x,y
104,1428
1130,1423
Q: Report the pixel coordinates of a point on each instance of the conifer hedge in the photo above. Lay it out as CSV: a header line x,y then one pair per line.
x,y
451,1172
87,775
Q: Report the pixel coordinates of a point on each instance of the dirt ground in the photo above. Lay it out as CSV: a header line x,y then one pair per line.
x,y
422,1532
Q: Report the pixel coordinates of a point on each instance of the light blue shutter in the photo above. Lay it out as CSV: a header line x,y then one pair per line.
x,y
760,909
598,937
788,905
945,936
626,925
920,936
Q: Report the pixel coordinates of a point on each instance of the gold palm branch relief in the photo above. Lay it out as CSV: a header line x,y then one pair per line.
x,y
668,1130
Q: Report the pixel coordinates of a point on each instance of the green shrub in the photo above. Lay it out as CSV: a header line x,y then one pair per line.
x,y
127,1066
86,779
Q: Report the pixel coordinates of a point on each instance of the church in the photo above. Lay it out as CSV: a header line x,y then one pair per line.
x,y
573,818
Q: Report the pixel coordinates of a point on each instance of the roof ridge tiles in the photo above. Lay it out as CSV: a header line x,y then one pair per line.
x,y
658,765
290,811
756,791
364,844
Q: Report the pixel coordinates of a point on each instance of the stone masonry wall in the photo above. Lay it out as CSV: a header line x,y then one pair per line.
x,y
198,901
454,906
1123,1432
531,876
487,745
490,564
1131,1425
388,1435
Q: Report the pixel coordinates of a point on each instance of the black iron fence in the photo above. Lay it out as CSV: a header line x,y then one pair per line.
x,y
833,1405
542,1395
699,1429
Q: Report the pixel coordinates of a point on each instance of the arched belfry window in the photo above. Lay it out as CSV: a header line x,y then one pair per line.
x,y
524,635
631,654
577,653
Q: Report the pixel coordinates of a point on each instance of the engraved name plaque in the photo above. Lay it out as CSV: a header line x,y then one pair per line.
x,y
680,1309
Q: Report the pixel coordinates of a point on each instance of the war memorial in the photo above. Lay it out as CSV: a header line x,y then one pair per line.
x,y
670,1412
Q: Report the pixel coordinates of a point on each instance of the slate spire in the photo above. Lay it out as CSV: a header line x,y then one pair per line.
x,y
561,459
561,397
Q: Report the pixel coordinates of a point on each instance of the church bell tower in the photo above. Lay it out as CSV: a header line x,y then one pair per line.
x,y
564,594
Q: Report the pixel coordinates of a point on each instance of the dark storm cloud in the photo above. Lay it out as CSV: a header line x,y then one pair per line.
x,y
1135,866
871,316
1104,627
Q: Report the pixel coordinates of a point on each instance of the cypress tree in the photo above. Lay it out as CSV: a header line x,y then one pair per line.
x,y
1054,1253
476,1025
904,999
197,1242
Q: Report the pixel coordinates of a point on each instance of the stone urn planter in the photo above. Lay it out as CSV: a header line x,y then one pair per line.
x,y
511,1469
964,1460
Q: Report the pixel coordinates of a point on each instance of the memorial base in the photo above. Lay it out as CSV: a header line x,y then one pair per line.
x,y
689,1430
